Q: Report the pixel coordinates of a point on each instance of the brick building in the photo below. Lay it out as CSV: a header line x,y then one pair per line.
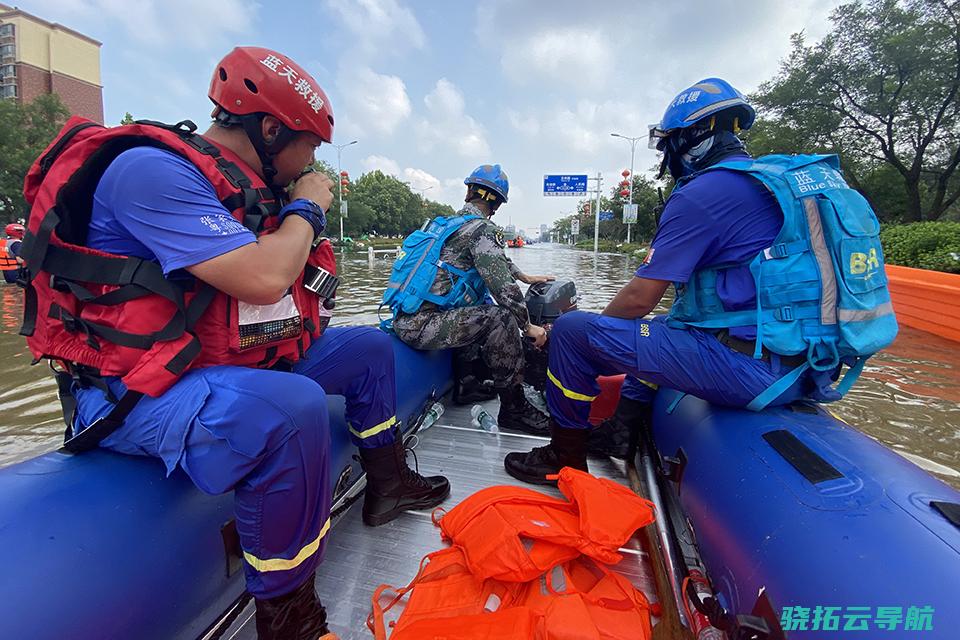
x,y
39,57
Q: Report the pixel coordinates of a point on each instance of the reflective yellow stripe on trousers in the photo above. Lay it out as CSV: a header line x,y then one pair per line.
x,y
282,564
573,395
374,430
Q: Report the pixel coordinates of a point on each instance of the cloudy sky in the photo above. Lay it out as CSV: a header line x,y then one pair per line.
x,y
433,88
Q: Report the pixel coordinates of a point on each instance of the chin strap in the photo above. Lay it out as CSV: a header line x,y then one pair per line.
x,y
253,126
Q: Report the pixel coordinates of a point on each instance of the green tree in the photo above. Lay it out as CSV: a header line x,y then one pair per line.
x,y
127,118
433,209
882,90
25,131
397,210
644,195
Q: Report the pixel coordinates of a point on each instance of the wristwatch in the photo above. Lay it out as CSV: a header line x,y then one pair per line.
x,y
309,211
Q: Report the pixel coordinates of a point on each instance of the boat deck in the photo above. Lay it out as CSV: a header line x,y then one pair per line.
x,y
360,558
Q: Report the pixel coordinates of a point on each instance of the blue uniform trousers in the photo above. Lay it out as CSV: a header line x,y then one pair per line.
x,y
652,353
265,435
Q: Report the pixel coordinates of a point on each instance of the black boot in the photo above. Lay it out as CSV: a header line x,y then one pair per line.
x,y
297,615
393,487
517,414
567,448
619,435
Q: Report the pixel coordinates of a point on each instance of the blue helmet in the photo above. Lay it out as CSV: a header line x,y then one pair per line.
x,y
492,177
704,99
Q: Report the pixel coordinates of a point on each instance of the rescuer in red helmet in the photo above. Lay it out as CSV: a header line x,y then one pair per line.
x,y
215,351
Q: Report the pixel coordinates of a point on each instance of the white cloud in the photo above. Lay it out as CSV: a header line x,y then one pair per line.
x,y
449,191
526,124
447,125
570,56
153,23
376,26
380,163
586,126
420,180
373,103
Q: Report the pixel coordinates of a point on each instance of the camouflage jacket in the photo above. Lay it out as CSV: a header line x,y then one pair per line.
x,y
479,243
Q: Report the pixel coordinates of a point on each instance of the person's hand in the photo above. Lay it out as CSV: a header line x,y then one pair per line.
x,y
536,279
314,186
538,334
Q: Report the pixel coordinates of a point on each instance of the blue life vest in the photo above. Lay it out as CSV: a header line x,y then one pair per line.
x,y
821,286
415,271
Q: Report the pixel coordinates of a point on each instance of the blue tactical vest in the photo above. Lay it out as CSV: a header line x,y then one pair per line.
x,y
415,271
821,286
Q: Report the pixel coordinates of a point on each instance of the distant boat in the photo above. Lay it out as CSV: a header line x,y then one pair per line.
x,y
511,238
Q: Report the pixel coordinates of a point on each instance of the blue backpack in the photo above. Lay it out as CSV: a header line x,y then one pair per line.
x,y
821,286
415,271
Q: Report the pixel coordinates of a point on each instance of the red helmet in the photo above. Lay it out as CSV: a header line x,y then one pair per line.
x,y
255,80
14,230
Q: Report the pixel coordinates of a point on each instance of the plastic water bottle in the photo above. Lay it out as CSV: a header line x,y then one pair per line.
x,y
433,414
535,398
484,420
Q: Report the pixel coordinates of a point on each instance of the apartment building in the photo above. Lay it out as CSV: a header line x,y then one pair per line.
x,y
38,57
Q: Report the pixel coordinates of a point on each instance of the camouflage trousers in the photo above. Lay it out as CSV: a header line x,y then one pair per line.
x,y
495,328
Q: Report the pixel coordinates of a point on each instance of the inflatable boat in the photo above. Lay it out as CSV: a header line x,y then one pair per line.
x,y
782,509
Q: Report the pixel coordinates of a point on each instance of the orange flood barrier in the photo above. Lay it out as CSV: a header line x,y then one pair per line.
x,y
926,300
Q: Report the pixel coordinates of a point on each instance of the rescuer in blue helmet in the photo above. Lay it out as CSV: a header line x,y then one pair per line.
x,y
717,220
455,311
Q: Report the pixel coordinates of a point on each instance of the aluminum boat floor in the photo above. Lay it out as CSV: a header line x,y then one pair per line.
x,y
360,558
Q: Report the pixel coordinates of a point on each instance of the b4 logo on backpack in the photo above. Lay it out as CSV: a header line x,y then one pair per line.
x,y
861,263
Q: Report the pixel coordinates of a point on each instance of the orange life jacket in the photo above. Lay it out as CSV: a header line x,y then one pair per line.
x,y
534,532
544,588
7,261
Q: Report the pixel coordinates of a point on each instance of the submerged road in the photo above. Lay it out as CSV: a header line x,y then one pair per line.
x,y
908,397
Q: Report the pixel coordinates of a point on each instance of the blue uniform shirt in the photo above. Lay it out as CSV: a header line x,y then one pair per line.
x,y
718,218
156,205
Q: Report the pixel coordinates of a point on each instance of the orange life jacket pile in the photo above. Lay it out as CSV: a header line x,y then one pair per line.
x,y
524,565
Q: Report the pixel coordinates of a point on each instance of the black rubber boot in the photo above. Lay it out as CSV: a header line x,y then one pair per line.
x,y
297,615
567,448
517,414
470,390
393,487
618,436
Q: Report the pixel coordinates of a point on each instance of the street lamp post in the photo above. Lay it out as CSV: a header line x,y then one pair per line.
x,y
340,148
633,150
596,214
422,191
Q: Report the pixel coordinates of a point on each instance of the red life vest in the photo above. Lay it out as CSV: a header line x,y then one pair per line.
x,y
117,315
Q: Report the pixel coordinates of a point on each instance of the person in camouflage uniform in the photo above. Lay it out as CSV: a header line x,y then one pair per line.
x,y
499,328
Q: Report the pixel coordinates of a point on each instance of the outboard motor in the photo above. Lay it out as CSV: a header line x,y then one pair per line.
x,y
545,302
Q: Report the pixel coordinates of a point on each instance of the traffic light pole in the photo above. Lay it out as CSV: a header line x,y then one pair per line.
x,y
340,182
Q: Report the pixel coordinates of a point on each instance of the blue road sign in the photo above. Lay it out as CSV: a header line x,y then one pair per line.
x,y
606,215
564,185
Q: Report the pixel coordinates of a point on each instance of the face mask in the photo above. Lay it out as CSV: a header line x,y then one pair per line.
x,y
678,148
696,153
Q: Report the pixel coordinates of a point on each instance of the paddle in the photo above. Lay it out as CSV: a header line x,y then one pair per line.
x,y
669,627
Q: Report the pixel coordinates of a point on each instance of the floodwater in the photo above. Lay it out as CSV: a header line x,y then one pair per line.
x,y
908,397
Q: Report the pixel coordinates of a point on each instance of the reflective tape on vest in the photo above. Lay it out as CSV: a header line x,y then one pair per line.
x,y
862,315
